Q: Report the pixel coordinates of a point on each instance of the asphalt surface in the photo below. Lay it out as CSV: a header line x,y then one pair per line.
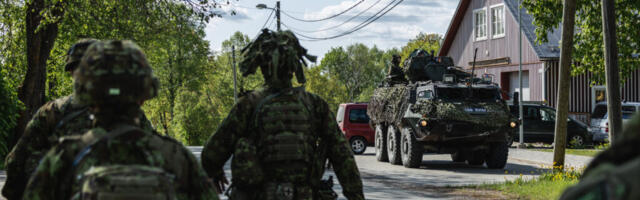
x,y
430,181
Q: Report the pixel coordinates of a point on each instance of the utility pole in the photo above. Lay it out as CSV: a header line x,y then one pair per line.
x,y
278,14
233,60
562,103
521,127
611,69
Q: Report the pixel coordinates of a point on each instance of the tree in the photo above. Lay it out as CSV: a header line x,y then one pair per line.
x,y
36,24
428,42
357,68
560,140
588,47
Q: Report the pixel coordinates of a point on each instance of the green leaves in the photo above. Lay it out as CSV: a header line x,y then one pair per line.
x,y
588,46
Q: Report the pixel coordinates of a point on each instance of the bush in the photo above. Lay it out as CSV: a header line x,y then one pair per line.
x,y
9,112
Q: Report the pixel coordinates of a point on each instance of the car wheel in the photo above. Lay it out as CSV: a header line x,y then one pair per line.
x,y
498,154
393,146
576,141
358,145
380,141
411,151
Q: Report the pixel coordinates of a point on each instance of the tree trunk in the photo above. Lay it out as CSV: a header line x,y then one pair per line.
x,y
611,69
566,50
40,40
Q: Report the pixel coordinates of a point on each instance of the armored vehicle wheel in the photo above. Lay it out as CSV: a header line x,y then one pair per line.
x,y
393,145
457,157
476,157
381,144
358,145
410,150
498,154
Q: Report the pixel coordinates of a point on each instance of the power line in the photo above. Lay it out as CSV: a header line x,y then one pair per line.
x,y
365,23
343,23
268,18
326,18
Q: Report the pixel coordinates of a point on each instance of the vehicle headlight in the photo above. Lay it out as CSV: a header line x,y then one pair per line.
x,y
423,123
513,124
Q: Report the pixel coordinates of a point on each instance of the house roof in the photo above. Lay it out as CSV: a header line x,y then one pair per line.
x,y
548,50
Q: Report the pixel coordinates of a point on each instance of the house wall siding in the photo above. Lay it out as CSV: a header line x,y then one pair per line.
x,y
580,98
463,45
535,78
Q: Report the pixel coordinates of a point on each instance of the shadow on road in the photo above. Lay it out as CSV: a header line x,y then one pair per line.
x,y
510,168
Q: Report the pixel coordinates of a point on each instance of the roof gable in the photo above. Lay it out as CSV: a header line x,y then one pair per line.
x,y
546,50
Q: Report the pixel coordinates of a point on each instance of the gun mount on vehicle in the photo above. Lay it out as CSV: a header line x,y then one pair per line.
x,y
441,109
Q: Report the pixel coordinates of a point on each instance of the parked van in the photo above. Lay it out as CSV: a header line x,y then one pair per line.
x,y
600,118
354,124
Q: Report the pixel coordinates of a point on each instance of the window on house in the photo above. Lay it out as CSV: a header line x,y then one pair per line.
x,y
480,24
497,21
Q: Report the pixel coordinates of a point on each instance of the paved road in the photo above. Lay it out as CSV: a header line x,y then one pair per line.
x,y
386,181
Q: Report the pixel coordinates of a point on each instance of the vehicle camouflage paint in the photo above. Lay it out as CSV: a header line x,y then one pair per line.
x,y
441,111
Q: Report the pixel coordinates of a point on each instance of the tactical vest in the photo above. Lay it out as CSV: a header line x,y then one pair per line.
x,y
119,181
279,155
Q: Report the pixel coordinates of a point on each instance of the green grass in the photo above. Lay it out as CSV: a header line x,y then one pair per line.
x,y
579,152
546,186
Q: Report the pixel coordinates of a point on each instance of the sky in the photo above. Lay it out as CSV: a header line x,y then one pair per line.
x,y
393,30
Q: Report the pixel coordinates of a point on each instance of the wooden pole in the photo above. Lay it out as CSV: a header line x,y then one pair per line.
x,y
611,69
564,84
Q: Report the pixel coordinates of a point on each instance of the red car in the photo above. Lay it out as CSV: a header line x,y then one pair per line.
x,y
354,124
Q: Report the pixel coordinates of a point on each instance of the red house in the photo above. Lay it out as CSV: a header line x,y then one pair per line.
x,y
491,26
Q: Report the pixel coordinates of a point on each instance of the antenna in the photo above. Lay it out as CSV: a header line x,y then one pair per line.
x,y
473,67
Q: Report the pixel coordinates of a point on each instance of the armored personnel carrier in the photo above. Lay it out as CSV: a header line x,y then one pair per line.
x,y
440,109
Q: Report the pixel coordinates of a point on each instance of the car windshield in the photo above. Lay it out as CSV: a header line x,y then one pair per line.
x,y
459,94
358,116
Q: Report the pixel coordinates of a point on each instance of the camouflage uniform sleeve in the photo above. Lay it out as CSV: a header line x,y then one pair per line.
x,y
47,181
32,145
200,186
220,145
339,153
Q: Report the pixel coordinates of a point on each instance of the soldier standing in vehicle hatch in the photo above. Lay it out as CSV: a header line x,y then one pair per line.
x,y
395,75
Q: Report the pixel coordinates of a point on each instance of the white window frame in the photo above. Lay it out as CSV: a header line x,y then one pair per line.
x,y
486,27
504,21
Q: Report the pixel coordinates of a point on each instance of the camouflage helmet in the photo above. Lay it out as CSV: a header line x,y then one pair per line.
x,y
114,72
278,54
76,52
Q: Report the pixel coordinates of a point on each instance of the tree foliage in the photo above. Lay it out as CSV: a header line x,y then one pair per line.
x,y
357,68
427,41
589,46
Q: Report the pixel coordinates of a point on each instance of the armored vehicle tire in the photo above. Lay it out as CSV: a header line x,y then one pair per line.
x,y
358,145
381,144
498,154
476,157
457,157
410,150
393,145
509,140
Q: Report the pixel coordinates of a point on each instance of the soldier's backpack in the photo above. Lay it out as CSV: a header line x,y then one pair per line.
x,y
120,181
282,137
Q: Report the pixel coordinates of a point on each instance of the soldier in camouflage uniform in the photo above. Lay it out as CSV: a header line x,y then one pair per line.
x,y
280,136
57,118
614,173
116,158
395,74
